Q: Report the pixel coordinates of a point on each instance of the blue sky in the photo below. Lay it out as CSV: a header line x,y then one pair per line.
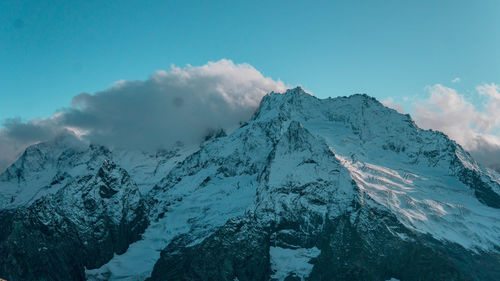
x,y
51,51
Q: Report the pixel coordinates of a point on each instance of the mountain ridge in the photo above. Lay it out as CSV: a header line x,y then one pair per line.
x,y
301,175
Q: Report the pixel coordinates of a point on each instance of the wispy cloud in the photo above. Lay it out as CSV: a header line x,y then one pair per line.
x,y
455,80
390,103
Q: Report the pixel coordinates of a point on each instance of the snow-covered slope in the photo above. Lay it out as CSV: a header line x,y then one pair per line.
x,y
46,167
308,189
71,194
43,169
83,222
148,168
307,161
421,176
200,194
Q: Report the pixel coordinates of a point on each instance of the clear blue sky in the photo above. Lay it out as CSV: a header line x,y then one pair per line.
x,y
53,50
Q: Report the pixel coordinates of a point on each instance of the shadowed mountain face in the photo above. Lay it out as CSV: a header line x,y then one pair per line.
x,y
308,189
83,223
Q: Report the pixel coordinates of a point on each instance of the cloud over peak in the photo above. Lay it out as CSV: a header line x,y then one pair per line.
x,y
181,104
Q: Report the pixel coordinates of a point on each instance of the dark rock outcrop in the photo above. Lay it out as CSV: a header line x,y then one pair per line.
x,y
79,227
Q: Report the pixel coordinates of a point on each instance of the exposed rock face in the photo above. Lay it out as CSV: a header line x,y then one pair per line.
x,y
308,189
239,249
81,225
348,190
347,250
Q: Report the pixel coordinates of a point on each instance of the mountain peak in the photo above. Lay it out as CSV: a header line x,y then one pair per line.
x,y
364,98
296,91
346,171
298,96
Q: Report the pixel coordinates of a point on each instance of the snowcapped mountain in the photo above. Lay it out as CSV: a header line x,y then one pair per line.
x,y
308,189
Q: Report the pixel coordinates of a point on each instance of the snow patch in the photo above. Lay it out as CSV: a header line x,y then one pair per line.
x,y
436,204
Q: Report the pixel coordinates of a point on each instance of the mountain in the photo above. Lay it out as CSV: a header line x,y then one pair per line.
x,y
308,189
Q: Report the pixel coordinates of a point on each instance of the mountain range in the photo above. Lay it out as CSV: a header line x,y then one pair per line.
x,y
308,189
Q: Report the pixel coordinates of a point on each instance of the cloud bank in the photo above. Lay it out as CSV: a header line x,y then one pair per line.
x,y
181,104
476,129
184,104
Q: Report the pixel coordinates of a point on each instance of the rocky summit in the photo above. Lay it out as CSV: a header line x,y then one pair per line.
x,y
308,189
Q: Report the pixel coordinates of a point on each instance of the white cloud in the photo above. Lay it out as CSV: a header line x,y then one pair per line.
x,y
455,80
181,104
390,103
450,112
